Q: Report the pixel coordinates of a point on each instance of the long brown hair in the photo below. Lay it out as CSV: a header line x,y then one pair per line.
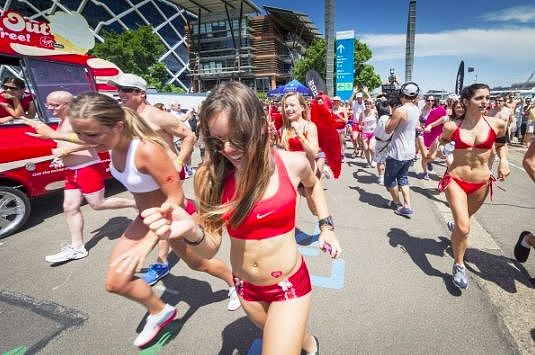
x,y
107,112
286,124
248,132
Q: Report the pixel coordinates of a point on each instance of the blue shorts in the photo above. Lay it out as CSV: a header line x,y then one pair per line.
x,y
396,172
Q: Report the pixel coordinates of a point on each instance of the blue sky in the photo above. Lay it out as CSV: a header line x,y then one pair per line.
x,y
497,38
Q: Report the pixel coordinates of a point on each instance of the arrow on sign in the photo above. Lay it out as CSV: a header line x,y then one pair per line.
x,y
340,48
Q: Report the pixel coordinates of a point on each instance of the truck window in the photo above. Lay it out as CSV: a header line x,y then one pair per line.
x,y
51,76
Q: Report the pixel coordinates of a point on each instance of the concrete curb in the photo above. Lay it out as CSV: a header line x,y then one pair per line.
x,y
514,306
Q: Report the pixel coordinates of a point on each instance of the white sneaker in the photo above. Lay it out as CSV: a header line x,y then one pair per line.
x,y
233,299
68,252
155,323
373,164
381,179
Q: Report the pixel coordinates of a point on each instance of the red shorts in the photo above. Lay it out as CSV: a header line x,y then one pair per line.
x,y
295,286
87,179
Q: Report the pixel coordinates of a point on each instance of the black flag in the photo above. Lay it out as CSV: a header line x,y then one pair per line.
x,y
315,83
460,78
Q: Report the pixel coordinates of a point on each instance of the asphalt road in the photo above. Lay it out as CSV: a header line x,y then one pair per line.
x,y
390,293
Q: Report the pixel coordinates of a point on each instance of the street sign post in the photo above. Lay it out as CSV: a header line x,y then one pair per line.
x,y
345,63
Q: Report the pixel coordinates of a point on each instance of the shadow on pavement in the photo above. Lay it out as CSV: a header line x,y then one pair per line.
x,y
372,199
499,269
369,178
418,249
238,337
112,229
430,194
194,292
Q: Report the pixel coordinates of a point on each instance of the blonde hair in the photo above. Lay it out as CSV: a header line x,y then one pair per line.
x,y
286,124
248,133
107,112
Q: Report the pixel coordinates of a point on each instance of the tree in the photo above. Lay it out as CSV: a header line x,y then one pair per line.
x,y
315,59
136,51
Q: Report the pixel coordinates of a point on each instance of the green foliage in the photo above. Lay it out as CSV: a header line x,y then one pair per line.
x,y
136,51
315,58
262,96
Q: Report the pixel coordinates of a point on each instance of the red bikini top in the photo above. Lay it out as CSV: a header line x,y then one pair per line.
x,y
269,217
486,144
295,145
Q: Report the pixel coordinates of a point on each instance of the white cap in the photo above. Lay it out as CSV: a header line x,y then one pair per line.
x,y
127,80
337,98
453,97
359,94
410,89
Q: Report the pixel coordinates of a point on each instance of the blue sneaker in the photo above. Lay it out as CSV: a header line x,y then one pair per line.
x,y
154,273
429,166
404,211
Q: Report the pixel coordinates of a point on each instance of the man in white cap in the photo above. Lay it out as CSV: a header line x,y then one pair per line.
x,y
357,106
132,91
402,148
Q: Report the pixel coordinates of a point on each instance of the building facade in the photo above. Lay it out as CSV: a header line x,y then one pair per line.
x,y
167,19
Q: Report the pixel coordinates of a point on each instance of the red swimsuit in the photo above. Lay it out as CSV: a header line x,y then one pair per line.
x,y
269,218
467,186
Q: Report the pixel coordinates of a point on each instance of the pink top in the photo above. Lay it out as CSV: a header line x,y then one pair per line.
x,y
434,115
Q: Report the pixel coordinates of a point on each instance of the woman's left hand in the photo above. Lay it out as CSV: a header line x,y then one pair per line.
x,y
503,170
329,243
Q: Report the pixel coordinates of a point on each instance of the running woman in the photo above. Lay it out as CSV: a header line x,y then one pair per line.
x,y
250,188
467,180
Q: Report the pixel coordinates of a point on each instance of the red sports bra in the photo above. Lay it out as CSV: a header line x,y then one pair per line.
x,y
486,144
269,217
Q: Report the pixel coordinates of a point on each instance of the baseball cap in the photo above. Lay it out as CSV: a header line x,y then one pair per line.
x,y
337,98
410,89
359,94
128,80
453,97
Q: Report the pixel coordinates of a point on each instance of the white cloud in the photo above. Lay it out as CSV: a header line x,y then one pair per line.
x,y
522,14
507,45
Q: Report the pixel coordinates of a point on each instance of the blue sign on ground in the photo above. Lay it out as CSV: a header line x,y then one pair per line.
x,y
345,43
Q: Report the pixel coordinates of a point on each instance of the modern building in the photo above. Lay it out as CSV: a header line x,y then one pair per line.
x,y
167,18
240,45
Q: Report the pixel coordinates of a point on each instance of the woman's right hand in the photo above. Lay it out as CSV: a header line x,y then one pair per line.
x,y
169,221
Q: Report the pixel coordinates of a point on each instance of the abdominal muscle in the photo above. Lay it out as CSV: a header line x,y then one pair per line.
x,y
266,261
471,164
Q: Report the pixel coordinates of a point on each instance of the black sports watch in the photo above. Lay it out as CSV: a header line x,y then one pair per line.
x,y
327,221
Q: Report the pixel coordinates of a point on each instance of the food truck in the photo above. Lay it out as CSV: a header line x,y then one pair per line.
x,y
47,56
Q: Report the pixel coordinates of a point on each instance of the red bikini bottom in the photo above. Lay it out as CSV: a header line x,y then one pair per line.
x,y
295,286
467,186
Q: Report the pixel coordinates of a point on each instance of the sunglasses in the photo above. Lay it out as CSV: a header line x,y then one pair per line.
x,y
127,90
7,87
217,144
430,100
52,106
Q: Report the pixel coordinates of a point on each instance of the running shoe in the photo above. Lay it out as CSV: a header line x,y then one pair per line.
x,y
404,211
153,325
68,252
315,352
373,164
459,276
521,252
451,225
429,166
154,273
393,205
381,180
425,176
233,299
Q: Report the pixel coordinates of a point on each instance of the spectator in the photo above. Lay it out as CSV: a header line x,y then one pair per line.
x,y
14,101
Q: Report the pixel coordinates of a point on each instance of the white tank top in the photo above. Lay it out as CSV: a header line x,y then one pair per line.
x,y
130,177
369,122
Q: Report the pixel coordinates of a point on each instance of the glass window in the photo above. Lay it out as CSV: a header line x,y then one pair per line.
x,y
52,76
116,6
132,20
95,14
151,14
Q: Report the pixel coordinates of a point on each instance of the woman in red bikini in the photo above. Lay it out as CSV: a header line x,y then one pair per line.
x,y
250,188
468,180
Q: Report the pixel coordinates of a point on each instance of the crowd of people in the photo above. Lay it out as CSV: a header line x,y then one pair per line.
x,y
258,159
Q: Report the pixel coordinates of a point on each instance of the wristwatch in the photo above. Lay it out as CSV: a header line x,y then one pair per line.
x,y
326,222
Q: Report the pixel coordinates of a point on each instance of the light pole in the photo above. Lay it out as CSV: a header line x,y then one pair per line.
x,y
329,39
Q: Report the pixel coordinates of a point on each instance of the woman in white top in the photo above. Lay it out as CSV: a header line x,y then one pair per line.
x,y
139,160
368,122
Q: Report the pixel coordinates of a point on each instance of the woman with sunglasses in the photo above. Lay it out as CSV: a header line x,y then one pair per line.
x,y
430,105
250,188
468,180
14,101
139,160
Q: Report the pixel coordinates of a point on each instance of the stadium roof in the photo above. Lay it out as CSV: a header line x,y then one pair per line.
x,y
294,22
217,6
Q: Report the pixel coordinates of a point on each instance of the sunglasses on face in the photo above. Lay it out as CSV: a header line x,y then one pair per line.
x,y
128,90
217,144
52,106
430,100
7,87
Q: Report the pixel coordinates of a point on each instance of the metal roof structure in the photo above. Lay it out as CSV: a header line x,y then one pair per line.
x,y
294,22
217,6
